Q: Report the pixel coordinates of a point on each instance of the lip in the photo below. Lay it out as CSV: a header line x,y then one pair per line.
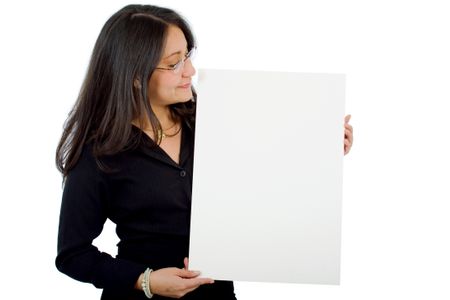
x,y
185,86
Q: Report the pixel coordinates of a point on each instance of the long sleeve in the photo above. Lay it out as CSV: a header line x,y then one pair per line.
x,y
83,214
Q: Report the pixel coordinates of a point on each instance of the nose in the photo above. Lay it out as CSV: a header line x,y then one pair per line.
x,y
188,68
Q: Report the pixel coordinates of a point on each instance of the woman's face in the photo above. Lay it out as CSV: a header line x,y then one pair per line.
x,y
166,87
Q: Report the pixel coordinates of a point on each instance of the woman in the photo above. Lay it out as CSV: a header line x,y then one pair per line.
x,y
126,154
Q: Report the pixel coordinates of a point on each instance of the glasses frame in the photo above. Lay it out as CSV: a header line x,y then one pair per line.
x,y
180,65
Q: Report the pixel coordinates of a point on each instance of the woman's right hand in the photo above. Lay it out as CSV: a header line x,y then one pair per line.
x,y
175,282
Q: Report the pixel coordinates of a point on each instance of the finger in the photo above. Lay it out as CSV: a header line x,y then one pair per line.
x,y
187,274
347,148
350,138
347,143
347,118
193,283
348,126
186,263
347,132
348,135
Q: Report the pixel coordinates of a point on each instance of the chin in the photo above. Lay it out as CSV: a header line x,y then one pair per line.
x,y
182,100
185,99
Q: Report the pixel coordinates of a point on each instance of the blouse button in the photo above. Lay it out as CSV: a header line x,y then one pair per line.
x,y
183,173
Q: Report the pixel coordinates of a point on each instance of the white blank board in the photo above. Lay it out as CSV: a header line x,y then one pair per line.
x,y
267,186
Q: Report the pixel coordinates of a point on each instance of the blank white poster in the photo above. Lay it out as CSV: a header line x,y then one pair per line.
x,y
267,187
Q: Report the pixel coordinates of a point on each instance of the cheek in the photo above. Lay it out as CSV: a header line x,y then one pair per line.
x,y
166,82
160,86
168,90
163,88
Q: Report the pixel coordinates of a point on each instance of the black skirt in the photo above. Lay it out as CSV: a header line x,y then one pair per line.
x,y
219,290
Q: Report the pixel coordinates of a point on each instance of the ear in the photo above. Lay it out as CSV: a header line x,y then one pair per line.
x,y
137,84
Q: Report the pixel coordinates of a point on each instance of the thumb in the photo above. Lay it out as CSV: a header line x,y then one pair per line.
x,y
347,118
186,263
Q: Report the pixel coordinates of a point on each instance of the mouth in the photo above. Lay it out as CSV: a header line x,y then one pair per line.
x,y
185,86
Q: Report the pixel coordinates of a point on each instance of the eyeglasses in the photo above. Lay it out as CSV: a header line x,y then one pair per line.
x,y
176,68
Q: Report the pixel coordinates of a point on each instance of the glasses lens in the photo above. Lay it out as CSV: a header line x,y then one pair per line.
x,y
190,55
178,66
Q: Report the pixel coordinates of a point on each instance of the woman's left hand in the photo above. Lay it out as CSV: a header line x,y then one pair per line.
x,y
348,135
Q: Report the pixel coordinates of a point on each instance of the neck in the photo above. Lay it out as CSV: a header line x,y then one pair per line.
x,y
163,115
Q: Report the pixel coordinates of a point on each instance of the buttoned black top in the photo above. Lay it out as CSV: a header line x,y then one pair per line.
x,y
148,196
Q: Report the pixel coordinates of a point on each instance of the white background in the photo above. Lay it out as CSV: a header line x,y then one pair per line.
x,y
396,224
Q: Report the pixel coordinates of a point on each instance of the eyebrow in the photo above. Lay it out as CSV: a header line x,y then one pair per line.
x,y
178,52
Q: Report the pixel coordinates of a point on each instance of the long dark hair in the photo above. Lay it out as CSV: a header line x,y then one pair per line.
x,y
114,92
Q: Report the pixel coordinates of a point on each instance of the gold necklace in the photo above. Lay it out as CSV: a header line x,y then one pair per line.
x,y
162,134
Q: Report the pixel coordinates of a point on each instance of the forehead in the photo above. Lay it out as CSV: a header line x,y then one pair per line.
x,y
175,41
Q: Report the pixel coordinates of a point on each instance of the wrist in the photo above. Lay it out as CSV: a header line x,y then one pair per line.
x,y
145,283
138,284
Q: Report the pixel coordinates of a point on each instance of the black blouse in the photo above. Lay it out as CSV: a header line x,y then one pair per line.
x,y
148,196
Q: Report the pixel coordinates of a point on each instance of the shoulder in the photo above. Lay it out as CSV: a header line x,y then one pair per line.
x,y
86,166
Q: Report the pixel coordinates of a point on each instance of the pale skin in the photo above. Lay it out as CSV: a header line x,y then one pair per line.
x,y
166,88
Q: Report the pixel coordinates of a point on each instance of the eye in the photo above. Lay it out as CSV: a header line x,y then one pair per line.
x,y
174,65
